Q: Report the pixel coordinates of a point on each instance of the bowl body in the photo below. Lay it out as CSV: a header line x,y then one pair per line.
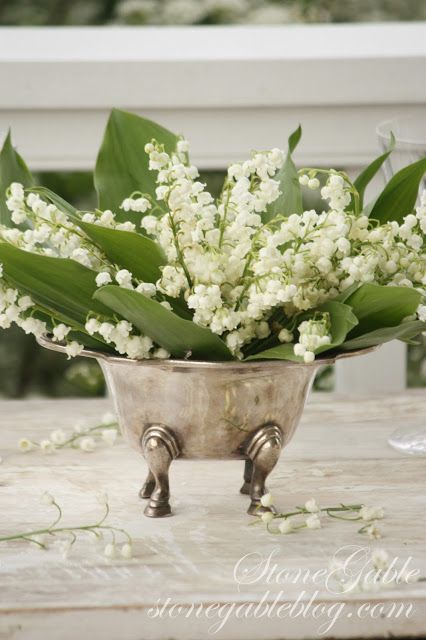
x,y
171,409
211,408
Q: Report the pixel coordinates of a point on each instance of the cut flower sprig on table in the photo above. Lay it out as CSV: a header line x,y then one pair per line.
x,y
84,437
117,541
311,516
162,270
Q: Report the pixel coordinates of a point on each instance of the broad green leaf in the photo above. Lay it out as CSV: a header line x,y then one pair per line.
x,y
280,352
365,177
344,295
399,196
290,199
175,334
83,338
294,139
377,307
59,202
122,164
133,251
342,321
62,287
140,255
12,169
404,331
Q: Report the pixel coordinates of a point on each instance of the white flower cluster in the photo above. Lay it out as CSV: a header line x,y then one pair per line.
x,y
49,230
51,233
207,244
119,334
107,219
236,272
243,277
335,193
125,279
312,335
139,204
13,307
17,309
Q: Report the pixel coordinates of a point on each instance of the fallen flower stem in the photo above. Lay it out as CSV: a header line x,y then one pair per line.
x,y
52,530
304,511
312,512
86,432
83,438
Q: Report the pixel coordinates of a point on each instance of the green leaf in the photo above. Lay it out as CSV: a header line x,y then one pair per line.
x,y
122,164
344,295
12,169
404,331
365,177
290,199
399,196
175,334
133,251
342,321
294,139
83,338
377,307
62,287
280,352
59,202
140,255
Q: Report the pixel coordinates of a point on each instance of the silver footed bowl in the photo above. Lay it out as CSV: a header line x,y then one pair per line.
x,y
171,409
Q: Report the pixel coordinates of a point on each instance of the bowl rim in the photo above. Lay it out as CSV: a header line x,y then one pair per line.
x,y
172,363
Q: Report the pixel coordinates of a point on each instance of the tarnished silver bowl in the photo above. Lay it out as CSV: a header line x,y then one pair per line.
x,y
171,409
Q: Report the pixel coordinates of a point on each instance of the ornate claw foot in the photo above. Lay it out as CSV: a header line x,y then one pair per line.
x,y
248,474
263,450
159,448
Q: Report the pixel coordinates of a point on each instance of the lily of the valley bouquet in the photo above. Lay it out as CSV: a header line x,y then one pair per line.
x,y
163,270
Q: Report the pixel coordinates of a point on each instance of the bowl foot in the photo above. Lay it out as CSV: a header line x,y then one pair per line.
x,y
248,474
159,447
263,450
245,489
148,487
256,509
157,510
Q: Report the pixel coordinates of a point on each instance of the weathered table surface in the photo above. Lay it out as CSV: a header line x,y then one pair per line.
x,y
198,556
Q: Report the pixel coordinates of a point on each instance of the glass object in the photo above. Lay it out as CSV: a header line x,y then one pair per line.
x,y
410,142
411,440
410,146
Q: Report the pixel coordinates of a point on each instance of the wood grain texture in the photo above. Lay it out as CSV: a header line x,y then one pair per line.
x,y
191,557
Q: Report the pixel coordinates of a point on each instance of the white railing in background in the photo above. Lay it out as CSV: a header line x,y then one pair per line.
x,y
229,89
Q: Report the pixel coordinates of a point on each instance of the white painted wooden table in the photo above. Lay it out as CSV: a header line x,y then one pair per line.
x,y
339,454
